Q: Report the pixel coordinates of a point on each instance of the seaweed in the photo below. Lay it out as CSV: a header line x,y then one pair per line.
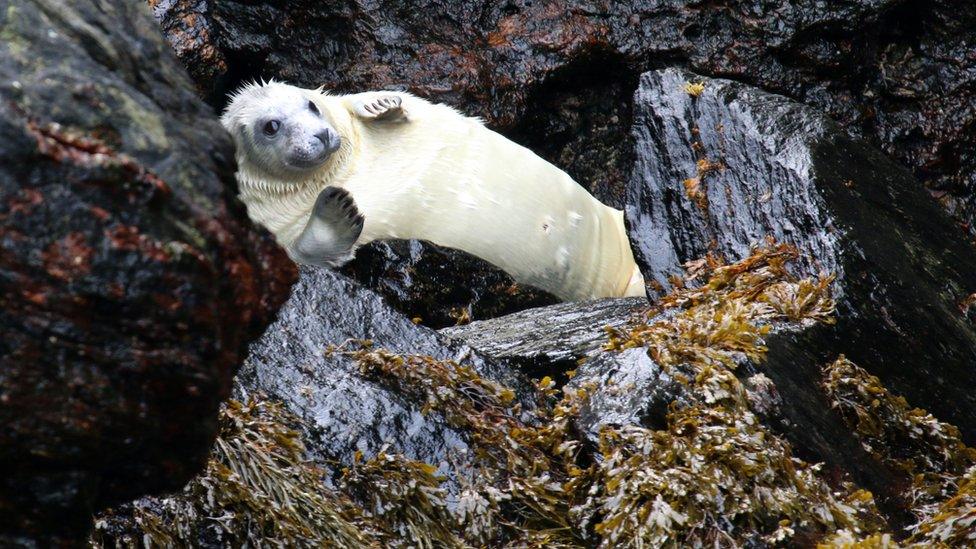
x,y
257,489
404,500
694,89
938,467
713,475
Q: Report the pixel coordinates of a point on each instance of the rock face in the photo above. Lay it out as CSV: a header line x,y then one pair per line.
x,y
628,389
343,411
775,167
440,286
130,282
549,340
558,76
625,388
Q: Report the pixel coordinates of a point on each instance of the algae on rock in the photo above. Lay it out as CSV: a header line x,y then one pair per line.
x,y
712,474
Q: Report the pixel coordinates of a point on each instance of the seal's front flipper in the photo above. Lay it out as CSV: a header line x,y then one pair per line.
x,y
331,232
387,107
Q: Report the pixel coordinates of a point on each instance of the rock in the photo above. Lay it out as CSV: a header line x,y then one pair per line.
x,y
775,167
627,388
549,340
343,411
440,286
130,280
558,76
188,29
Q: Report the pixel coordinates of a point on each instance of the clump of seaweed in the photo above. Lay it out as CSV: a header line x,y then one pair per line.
x,y
258,489
953,523
695,187
712,476
517,482
938,465
694,89
846,540
404,499
727,318
484,409
715,475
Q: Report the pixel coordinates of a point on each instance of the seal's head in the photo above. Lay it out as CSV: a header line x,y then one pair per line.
x,y
280,129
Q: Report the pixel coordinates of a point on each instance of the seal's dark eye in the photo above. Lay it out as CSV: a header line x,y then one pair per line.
x,y
272,127
313,107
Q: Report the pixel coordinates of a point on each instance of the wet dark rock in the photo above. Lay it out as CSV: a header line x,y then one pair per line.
x,y
440,286
625,388
557,75
187,26
788,171
130,280
341,410
549,340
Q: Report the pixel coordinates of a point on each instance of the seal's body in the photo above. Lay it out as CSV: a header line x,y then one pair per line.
x,y
423,171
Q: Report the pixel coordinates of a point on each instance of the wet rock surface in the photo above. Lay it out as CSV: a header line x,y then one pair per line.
x,y
627,388
440,286
785,170
558,76
549,340
130,280
343,411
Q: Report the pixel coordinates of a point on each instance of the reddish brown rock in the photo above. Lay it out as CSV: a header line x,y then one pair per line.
x,y
130,280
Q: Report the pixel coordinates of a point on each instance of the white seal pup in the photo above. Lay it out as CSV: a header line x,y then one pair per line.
x,y
423,171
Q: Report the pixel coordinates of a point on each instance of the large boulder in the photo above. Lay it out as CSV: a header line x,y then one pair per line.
x,y
302,361
722,167
130,280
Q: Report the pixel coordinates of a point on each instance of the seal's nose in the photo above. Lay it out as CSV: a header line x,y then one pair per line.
x,y
329,138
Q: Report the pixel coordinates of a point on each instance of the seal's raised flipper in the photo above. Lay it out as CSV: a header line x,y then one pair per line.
x,y
387,107
331,231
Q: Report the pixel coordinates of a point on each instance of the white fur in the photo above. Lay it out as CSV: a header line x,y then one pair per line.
x,y
443,177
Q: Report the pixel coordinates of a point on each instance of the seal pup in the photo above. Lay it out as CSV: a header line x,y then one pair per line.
x,y
328,173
